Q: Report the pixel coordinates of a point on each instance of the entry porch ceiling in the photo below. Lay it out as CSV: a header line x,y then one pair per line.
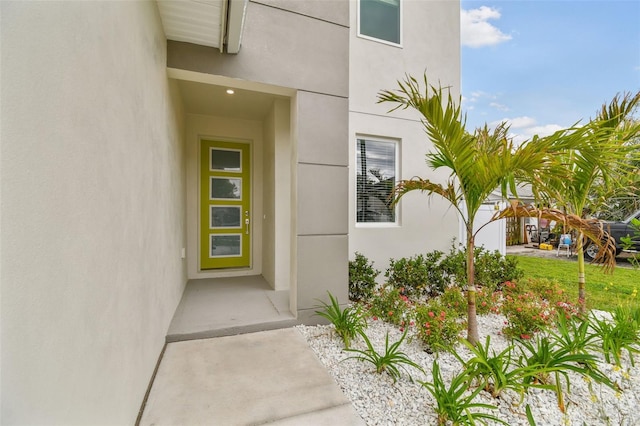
x,y
194,21
210,99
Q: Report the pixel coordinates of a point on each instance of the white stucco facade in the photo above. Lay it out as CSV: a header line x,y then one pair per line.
x,y
100,122
489,234
431,44
92,209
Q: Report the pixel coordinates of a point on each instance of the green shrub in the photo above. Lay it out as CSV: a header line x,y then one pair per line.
x,y
454,265
362,278
454,300
526,312
533,305
491,268
430,274
486,301
549,290
418,275
390,305
437,327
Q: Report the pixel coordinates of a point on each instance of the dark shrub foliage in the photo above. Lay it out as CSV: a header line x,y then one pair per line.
x,y
362,278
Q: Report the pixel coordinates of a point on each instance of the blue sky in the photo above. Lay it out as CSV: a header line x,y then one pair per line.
x,y
544,65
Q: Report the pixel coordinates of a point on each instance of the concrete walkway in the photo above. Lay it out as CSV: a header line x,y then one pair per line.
x,y
269,377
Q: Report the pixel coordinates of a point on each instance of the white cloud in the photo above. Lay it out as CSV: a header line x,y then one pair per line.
x,y
480,94
477,96
475,31
517,122
498,106
545,130
528,132
524,128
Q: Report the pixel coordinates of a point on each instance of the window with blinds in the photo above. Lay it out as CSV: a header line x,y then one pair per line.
x,y
376,169
380,19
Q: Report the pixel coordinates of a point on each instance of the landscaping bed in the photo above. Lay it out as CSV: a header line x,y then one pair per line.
x,y
381,401
399,350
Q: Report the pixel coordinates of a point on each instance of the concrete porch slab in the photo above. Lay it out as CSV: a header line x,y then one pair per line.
x,y
250,379
228,306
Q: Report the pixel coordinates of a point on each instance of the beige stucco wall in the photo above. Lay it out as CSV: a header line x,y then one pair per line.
x,y
92,209
431,42
277,213
303,46
283,44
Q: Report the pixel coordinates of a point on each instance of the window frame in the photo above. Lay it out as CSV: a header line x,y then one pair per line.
x,y
380,40
396,152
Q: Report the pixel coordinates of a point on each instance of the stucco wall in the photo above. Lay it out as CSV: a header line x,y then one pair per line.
x,y
283,44
492,236
431,43
277,197
301,45
92,209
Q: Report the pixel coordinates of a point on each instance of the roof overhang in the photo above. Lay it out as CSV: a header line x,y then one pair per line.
x,y
213,23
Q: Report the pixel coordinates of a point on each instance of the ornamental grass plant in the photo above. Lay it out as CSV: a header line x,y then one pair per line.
x,y
390,361
454,404
348,322
547,357
494,372
618,334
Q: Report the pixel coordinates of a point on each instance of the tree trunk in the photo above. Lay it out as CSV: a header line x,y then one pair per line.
x,y
582,295
472,321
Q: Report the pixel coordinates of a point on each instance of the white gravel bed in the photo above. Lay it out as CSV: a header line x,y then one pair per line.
x,y
380,401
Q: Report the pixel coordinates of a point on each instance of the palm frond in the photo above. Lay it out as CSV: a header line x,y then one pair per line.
x,y
424,185
591,228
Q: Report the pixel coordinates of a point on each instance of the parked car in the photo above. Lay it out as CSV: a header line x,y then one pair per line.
x,y
618,230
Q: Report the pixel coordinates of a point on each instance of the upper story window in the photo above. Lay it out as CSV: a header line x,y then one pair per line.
x,y
376,171
380,19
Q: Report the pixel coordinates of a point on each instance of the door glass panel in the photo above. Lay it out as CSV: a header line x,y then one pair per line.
x,y
225,245
226,160
225,217
226,188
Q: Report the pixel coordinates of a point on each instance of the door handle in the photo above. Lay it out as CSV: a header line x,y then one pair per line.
x,y
246,221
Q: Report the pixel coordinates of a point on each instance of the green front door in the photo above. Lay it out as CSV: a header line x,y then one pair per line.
x,y
225,210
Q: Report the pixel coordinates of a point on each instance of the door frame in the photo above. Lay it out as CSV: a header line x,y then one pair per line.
x,y
198,128
245,226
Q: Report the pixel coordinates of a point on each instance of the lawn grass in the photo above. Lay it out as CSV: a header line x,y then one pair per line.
x,y
604,291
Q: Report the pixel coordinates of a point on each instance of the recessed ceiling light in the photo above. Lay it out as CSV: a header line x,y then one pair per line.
x,y
230,91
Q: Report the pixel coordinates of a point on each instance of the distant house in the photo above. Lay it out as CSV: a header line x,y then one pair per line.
x,y
145,144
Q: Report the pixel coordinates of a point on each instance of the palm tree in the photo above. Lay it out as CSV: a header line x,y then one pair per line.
x,y
479,163
604,160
